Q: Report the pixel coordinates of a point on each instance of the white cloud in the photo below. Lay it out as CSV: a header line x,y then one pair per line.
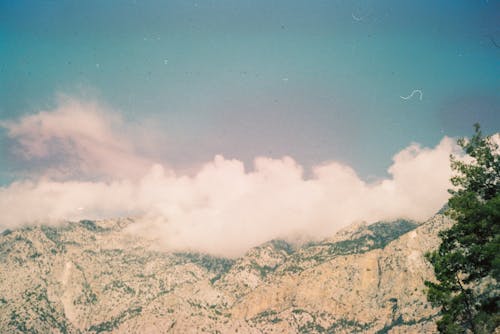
x,y
222,208
85,137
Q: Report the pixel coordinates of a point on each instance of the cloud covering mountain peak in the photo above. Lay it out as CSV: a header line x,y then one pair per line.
x,y
92,165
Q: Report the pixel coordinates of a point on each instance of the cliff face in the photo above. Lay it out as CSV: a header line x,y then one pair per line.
x,y
92,277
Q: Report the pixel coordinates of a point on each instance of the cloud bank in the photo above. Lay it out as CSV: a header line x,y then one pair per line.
x,y
96,170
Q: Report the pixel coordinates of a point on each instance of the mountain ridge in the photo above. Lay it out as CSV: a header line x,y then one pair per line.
x,y
91,277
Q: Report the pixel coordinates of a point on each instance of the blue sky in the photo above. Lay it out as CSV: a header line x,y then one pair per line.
x,y
316,80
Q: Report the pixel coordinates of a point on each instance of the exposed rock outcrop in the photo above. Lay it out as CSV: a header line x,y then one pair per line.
x,y
93,277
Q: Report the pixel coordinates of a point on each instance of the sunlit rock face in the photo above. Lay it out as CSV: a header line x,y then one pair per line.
x,y
94,277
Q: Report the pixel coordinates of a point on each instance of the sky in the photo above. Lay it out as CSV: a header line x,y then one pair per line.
x,y
96,92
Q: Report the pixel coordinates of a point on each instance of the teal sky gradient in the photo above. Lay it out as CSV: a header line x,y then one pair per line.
x,y
316,80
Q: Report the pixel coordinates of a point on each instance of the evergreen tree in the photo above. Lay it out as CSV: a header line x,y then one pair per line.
x,y
467,263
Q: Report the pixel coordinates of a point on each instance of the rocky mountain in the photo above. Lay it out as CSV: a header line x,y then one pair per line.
x,y
93,277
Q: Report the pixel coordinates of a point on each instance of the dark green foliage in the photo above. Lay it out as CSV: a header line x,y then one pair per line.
x,y
92,226
215,278
87,297
279,245
467,263
353,326
263,270
385,232
265,314
382,233
298,311
275,320
311,327
397,322
51,233
54,235
374,236
6,232
115,322
45,313
20,238
213,264
35,255
293,269
119,286
19,323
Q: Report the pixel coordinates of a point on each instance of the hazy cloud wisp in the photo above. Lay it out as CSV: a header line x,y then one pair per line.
x,y
79,138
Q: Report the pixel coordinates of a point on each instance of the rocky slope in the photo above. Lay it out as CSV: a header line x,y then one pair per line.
x,y
92,277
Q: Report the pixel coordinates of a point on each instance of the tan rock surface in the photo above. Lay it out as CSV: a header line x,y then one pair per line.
x,y
92,277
